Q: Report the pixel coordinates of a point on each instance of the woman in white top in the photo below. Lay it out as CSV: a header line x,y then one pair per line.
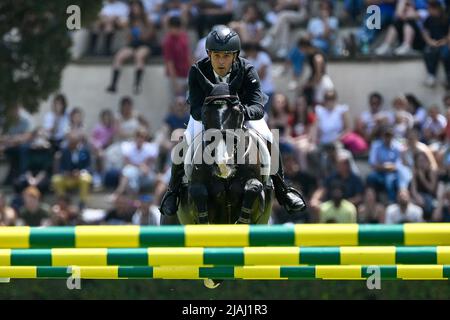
x,y
333,119
56,121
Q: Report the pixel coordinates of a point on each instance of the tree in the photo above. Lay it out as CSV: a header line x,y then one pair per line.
x,y
35,47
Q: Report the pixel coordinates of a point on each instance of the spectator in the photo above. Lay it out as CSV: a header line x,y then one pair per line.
x,y
414,147
122,211
34,213
63,213
434,127
302,119
139,170
333,122
442,211
113,17
384,158
250,28
280,111
154,10
323,29
406,28
424,185
38,164
177,57
370,210
176,8
147,213
141,43
296,60
263,65
56,121
337,210
403,119
128,120
286,15
76,125
319,81
404,211
213,12
416,108
7,214
17,132
73,170
436,33
353,9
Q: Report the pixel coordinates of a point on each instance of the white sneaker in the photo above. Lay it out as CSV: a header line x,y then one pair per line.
x,y
430,81
383,49
403,50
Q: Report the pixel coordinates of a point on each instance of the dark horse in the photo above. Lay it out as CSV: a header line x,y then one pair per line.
x,y
232,187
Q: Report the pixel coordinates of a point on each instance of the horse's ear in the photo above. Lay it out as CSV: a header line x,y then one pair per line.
x,y
206,85
235,84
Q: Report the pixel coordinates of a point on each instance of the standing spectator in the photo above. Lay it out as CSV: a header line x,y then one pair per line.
x,y
406,28
177,56
322,29
434,127
384,158
337,210
147,213
436,33
73,169
33,213
370,210
141,43
17,132
56,121
287,14
442,211
404,211
113,17
139,170
7,214
263,65
212,12
250,28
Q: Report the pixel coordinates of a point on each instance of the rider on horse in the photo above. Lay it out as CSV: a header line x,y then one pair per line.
x,y
222,65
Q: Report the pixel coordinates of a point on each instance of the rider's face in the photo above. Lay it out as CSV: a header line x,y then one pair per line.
x,y
222,62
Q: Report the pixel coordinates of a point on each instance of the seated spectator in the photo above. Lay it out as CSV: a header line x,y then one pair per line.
x,y
181,9
295,60
434,126
128,119
122,211
139,170
285,16
63,213
323,29
404,211
263,65
112,17
154,10
337,210
251,27
319,82
370,211
177,56
73,169
76,125
442,211
147,213
385,159
435,32
34,213
279,111
141,44
369,123
416,108
403,119
16,134
414,147
424,185
405,28
213,12
333,122
7,214
38,164
56,121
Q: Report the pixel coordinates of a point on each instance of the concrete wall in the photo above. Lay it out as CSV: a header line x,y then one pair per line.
x,y
85,86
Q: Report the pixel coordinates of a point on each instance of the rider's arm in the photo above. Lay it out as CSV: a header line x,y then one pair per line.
x,y
253,98
196,96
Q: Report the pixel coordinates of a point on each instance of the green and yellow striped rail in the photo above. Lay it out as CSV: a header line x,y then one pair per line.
x,y
353,272
249,256
225,236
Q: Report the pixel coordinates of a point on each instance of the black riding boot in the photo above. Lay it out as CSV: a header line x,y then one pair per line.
x,y
288,197
170,201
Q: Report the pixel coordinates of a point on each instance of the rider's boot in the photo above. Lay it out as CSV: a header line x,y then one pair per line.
x,y
290,198
170,201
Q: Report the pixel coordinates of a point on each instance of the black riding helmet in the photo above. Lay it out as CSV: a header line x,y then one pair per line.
x,y
223,39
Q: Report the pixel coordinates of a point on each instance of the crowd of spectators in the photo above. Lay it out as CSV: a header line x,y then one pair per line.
x,y
53,168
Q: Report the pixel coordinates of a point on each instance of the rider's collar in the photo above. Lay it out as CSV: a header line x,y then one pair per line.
x,y
225,78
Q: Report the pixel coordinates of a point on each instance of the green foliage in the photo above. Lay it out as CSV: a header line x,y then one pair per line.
x,y
35,47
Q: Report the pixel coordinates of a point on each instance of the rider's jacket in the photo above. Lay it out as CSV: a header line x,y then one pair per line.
x,y
249,91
